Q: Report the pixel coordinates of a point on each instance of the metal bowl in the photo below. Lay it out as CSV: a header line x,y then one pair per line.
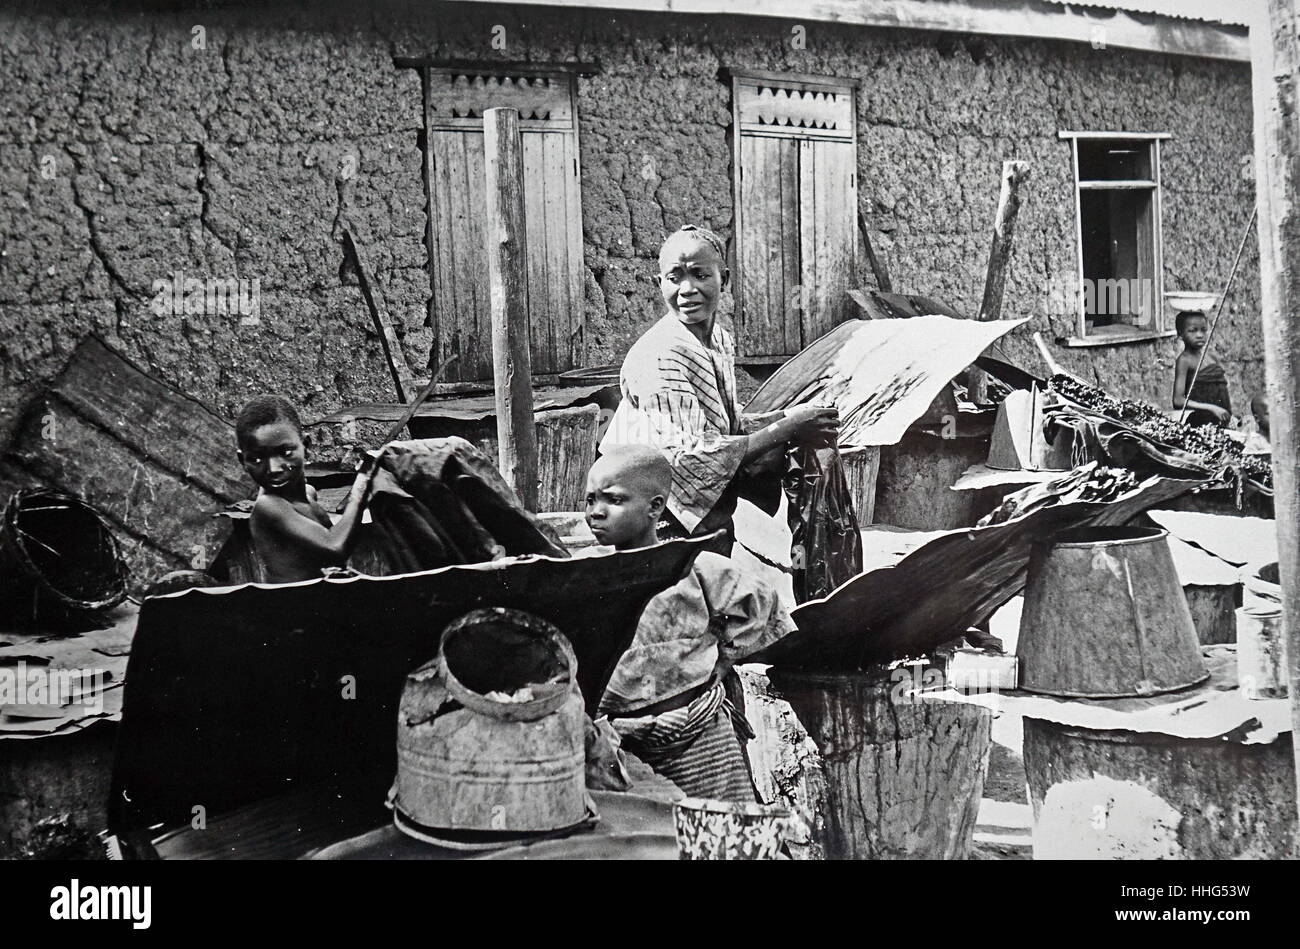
x,y
1184,301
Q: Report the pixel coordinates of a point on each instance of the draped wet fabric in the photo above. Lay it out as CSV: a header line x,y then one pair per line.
x,y
441,501
679,395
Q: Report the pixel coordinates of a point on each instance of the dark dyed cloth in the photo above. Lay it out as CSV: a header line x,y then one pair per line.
x,y
441,501
1211,387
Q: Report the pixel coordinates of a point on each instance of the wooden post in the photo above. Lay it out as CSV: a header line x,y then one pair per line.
x,y
508,286
878,268
1275,58
1014,174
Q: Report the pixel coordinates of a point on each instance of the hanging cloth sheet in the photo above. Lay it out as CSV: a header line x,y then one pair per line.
x,y
438,502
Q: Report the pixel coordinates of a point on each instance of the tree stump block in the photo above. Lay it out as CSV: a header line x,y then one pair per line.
x,y
903,777
1110,794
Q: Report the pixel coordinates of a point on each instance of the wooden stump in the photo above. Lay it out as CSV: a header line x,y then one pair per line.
x,y
1106,795
903,777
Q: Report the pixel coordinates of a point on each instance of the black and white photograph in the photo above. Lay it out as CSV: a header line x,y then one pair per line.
x,y
650,430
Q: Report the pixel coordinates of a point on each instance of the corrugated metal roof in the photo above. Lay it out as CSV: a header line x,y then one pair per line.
x,y
1206,11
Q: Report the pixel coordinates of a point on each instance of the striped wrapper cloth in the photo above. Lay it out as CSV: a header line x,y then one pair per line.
x,y
696,747
680,396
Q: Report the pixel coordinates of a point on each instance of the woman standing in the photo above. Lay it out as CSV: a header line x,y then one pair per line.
x,y
679,394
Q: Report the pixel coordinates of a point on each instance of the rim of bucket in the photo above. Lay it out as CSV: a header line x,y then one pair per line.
x,y
511,711
9,538
1097,536
739,808
1163,690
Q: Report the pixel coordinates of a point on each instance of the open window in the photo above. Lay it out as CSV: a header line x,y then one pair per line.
x,y
1117,233
454,100
796,199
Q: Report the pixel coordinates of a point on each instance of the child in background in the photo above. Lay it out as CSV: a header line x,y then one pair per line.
x,y
673,695
1257,442
1208,402
292,533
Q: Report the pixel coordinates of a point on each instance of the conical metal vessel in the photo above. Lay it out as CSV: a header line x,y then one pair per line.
x,y
1105,617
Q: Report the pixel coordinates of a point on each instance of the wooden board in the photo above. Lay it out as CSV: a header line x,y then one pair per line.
x,y
767,322
828,232
155,462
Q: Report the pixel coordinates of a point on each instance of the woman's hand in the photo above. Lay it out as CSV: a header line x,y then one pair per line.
x,y
814,425
1220,413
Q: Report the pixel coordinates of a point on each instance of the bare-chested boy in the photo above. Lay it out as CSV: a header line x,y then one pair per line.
x,y
292,533
667,697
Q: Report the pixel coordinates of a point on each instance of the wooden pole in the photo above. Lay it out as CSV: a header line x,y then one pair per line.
x,y
508,286
1275,59
1014,174
878,268
403,379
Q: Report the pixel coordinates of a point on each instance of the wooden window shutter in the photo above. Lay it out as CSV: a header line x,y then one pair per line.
x,y
796,209
460,315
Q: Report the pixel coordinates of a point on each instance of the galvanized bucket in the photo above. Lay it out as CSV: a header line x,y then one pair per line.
x,y
1105,617
1262,668
470,759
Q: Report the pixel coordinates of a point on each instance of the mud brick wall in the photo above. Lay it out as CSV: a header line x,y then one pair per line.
x,y
126,155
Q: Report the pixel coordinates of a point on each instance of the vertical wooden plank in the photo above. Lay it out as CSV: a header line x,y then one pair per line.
x,y
536,174
753,252
475,266
431,223
828,233
556,247
1275,67
768,254
809,271
786,235
573,316
1081,300
508,278
1158,288
443,212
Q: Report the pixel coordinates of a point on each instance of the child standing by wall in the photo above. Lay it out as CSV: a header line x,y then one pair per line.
x,y
1208,402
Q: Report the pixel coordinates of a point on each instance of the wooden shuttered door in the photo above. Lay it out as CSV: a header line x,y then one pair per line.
x,y
460,315
796,208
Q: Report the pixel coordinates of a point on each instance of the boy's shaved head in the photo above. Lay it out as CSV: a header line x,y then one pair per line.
x,y
640,465
627,489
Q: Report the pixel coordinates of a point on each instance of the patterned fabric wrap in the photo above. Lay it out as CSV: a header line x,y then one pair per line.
x,y
696,747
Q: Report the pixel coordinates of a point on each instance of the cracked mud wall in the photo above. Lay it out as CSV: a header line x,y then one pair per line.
x,y
223,162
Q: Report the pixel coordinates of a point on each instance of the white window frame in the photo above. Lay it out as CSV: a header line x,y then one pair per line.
x,y
1161,330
